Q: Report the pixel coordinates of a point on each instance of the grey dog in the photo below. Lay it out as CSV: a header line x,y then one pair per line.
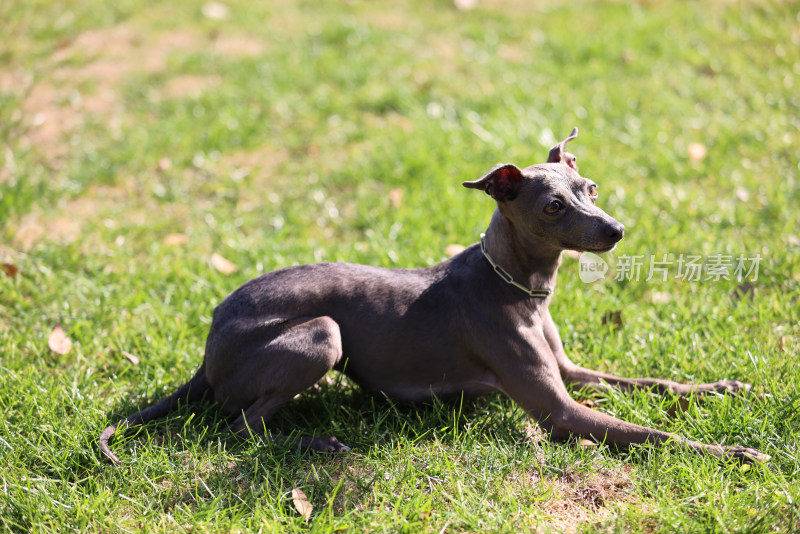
x,y
473,324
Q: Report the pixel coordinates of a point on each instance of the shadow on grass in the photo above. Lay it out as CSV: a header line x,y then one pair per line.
x,y
355,417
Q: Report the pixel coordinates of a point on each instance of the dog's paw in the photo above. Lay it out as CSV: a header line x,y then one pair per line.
x,y
744,454
731,386
334,445
320,444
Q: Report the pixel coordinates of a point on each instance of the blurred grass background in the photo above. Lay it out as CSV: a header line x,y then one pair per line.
x,y
141,138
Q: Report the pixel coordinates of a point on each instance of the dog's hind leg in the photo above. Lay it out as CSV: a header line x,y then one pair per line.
x,y
254,419
275,362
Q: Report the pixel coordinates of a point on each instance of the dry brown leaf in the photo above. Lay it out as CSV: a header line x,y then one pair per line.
x,y
697,152
396,197
176,239
452,250
132,357
10,269
782,343
589,403
680,406
223,265
584,442
301,503
58,341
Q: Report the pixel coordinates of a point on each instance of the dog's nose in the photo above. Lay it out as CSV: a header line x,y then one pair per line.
x,y
615,231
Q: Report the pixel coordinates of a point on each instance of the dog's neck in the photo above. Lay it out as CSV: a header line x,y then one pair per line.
x,y
529,261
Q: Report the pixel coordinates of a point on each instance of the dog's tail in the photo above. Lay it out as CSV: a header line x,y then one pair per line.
x,y
189,392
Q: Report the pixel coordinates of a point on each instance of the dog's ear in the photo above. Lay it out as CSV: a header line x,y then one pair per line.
x,y
501,183
559,155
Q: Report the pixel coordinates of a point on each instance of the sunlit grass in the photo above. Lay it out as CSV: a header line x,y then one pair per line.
x,y
138,139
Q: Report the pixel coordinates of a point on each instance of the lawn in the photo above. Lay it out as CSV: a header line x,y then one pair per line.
x,y
157,155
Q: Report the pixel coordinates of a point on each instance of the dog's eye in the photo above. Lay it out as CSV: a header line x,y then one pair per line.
x,y
554,207
592,193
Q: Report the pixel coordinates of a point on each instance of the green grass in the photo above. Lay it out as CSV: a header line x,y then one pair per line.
x,y
304,131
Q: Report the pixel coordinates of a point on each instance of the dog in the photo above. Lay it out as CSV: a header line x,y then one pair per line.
x,y
474,324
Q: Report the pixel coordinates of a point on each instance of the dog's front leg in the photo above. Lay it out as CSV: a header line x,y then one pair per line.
x,y
583,377
529,373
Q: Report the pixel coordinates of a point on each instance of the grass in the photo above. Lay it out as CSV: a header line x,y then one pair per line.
x,y
140,138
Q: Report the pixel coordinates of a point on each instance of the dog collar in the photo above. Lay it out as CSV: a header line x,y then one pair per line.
x,y
508,279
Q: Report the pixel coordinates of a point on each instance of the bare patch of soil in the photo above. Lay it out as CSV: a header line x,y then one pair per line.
x,y
83,79
588,498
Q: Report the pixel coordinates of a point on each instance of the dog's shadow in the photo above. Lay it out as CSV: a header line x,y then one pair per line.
x,y
375,428
337,407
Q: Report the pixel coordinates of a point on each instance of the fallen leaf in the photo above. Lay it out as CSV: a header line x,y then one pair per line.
x,y
10,269
301,503
589,403
742,194
215,11
465,5
396,197
58,341
175,239
660,297
584,442
697,152
452,250
680,406
132,357
222,265
782,343
613,318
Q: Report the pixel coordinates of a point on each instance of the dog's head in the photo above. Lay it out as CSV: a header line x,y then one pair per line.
x,y
552,203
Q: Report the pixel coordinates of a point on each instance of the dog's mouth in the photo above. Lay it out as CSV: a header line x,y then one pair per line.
x,y
601,250
594,250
